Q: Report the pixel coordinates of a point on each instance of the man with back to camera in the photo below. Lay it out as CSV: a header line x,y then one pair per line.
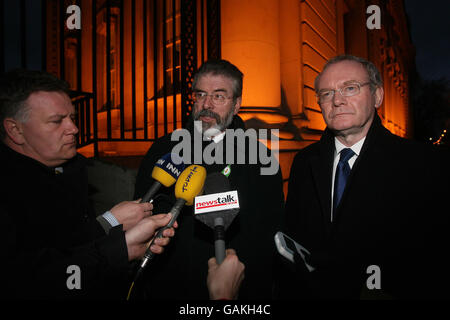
x,y
365,203
48,224
180,273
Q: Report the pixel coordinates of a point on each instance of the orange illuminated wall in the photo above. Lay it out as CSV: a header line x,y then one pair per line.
x,y
280,46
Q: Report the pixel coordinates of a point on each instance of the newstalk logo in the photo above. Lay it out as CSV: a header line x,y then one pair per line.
x,y
216,202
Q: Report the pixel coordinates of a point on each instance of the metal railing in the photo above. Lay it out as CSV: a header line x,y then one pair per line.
x,y
85,118
143,57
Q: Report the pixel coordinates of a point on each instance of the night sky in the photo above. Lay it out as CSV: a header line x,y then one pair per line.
x,y
430,32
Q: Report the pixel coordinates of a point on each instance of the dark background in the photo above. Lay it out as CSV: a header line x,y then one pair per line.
x,y
430,87
430,33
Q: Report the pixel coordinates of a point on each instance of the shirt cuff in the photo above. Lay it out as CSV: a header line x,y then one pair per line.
x,y
107,221
110,218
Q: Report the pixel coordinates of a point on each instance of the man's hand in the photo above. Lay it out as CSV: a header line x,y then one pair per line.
x,y
224,280
139,236
129,213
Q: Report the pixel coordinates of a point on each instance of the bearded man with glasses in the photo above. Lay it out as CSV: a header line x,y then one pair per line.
x,y
365,203
182,272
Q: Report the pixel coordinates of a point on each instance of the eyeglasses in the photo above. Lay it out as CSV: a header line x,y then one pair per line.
x,y
347,91
216,98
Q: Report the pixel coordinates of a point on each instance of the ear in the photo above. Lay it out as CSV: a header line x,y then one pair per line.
x,y
379,95
237,106
14,130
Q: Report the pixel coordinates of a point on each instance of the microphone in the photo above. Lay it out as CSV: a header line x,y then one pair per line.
x,y
165,172
188,186
217,209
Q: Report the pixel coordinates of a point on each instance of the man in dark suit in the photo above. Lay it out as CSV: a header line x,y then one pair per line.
x,y
181,272
53,246
364,202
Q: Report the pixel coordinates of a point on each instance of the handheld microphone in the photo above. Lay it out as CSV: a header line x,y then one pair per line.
x,y
165,173
188,186
217,209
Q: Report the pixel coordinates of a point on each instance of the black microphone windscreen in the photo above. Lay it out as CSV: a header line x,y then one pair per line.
x,y
216,182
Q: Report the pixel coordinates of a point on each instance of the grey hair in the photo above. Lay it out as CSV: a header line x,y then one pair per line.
x,y
372,71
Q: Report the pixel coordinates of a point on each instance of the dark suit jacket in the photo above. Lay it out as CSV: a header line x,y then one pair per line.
x,y
387,217
180,273
48,225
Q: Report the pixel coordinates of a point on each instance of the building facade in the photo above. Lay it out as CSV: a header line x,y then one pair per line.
x,y
130,62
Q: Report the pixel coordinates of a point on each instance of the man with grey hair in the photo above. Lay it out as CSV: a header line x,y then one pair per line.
x,y
364,202
215,119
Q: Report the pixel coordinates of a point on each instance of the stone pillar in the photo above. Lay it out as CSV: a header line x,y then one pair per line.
x,y
250,40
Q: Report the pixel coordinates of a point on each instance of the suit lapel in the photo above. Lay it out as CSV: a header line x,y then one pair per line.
x,y
322,169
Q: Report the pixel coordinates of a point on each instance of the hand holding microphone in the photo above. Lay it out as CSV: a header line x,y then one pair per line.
x,y
137,237
189,184
129,213
217,208
224,280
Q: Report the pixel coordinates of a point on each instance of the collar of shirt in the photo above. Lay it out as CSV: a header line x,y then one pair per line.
x,y
209,134
59,170
217,138
356,149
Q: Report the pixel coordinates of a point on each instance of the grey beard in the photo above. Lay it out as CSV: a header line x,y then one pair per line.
x,y
221,124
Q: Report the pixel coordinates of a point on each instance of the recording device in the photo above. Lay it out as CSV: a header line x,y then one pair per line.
x,y
165,172
290,249
217,209
189,184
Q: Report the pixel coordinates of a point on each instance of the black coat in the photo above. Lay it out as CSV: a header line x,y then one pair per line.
x,y
47,226
181,271
390,215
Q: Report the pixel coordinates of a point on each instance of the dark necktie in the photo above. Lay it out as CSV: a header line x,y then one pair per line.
x,y
342,173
